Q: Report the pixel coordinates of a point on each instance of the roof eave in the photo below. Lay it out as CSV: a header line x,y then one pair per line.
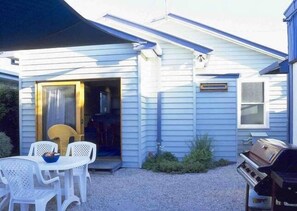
x,y
7,76
291,10
171,38
142,44
230,37
276,68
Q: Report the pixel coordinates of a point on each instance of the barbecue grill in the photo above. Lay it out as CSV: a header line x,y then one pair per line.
x,y
270,168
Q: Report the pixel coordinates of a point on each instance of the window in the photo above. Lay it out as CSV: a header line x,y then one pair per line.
x,y
253,105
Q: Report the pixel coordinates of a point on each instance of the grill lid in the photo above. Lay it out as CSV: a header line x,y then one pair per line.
x,y
267,150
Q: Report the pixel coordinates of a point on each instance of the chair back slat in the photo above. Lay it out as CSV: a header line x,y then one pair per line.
x,y
82,148
40,147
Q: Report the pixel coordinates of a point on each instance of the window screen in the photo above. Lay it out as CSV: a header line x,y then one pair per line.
x,y
252,103
252,92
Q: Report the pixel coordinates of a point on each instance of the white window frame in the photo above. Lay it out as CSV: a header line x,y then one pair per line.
x,y
265,125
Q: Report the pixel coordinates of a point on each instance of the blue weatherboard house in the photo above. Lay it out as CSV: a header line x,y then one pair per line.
x,y
132,89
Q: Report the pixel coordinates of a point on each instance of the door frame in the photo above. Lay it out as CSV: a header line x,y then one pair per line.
x,y
79,94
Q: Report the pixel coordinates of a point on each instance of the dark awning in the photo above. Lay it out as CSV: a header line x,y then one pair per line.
x,y
276,68
33,24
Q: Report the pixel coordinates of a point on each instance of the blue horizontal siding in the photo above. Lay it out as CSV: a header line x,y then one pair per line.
x,y
278,127
217,117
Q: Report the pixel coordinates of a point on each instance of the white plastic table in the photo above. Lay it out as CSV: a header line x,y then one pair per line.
x,y
66,164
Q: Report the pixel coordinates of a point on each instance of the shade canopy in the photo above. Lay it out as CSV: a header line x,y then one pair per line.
x,y
47,24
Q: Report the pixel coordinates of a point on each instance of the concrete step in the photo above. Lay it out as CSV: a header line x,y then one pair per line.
x,y
106,164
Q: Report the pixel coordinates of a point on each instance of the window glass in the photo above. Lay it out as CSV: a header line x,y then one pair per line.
x,y
252,114
252,92
252,108
58,106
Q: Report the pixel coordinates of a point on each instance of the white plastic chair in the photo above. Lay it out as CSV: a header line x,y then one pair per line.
x,y
82,148
4,192
40,147
20,177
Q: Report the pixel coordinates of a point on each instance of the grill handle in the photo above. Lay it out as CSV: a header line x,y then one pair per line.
x,y
249,161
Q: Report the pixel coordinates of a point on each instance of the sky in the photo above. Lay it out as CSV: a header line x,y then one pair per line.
x,y
260,21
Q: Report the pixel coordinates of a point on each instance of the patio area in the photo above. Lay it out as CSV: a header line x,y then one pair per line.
x,y
136,189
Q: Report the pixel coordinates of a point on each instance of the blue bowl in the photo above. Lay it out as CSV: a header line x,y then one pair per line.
x,y
51,159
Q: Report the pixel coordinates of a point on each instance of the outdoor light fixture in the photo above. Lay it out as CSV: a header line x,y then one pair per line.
x,y
201,60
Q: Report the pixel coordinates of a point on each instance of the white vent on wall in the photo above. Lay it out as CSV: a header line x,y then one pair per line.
x,y
213,87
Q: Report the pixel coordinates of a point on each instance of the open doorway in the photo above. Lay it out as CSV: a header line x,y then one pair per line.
x,y
102,116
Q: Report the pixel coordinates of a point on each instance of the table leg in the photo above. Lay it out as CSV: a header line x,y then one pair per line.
x,y
69,190
84,184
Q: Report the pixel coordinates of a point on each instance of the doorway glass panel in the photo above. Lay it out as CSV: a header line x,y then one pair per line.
x,y
59,103
58,106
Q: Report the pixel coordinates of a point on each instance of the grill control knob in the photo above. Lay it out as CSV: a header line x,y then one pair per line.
x,y
258,179
253,174
247,170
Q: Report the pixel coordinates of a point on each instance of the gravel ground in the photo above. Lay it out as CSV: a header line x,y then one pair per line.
x,y
137,189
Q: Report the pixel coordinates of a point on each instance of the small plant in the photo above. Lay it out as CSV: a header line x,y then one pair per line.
x,y
200,159
5,145
196,167
168,156
170,166
221,162
154,162
150,162
200,151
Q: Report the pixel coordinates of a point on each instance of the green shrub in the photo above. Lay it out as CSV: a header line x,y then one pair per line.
x,y
196,167
5,145
9,113
153,161
221,162
200,159
168,156
170,166
150,163
200,151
